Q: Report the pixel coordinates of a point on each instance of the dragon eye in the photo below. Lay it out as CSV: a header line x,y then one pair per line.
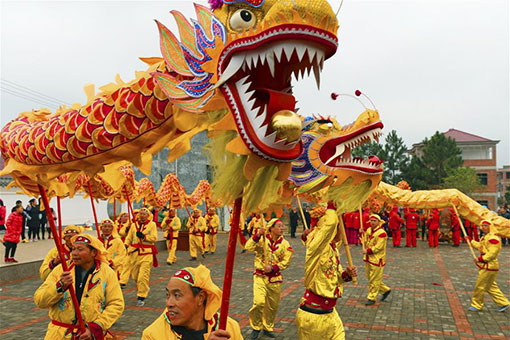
x,y
242,19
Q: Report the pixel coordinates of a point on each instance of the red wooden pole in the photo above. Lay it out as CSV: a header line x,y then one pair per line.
x,y
63,261
187,210
229,265
94,209
114,208
59,210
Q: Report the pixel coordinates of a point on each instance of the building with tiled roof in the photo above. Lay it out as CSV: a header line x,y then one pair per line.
x,y
478,153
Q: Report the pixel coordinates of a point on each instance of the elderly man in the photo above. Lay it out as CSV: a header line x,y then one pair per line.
x,y
272,255
97,290
192,303
171,225
142,252
489,247
375,259
114,246
52,259
317,317
212,221
196,227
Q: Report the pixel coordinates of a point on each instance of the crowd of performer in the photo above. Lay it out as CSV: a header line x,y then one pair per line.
x,y
98,269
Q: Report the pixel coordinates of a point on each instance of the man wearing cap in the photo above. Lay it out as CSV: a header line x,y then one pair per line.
x,y
412,219
196,227
433,226
317,317
488,267
52,259
172,225
192,303
375,260
272,255
212,221
113,245
123,225
142,253
97,291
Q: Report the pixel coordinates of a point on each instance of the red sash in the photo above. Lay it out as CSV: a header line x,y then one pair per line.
x,y
154,252
317,301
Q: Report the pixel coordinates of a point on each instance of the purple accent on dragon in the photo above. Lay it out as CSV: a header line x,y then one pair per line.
x,y
218,3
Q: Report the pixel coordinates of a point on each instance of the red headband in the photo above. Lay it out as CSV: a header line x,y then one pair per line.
x,y
185,276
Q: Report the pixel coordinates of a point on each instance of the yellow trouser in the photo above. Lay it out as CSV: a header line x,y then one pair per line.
x,y
195,245
486,283
141,272
375,283
239,241
210,243
171,250
125,271
266,298
319,326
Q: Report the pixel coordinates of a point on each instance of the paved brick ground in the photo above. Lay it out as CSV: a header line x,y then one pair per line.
x,y
431,293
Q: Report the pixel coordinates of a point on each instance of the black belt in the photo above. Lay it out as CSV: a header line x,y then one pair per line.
x,y
315,310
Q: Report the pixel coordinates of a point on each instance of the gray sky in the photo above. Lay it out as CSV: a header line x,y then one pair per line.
x,y
429,65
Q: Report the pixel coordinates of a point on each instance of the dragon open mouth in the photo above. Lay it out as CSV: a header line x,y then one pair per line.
x,y
255,73
336,152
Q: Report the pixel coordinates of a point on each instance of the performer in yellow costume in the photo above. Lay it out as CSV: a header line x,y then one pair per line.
x,y
212,221
192,303
256,222
489,247
114,246
317,317
97,290
196,227
171,224
52,259
375,259
272,255
142,252
123,225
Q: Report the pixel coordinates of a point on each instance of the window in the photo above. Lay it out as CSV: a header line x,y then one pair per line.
x,y
483,178
507,175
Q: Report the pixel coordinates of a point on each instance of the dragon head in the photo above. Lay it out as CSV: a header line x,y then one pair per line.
x,y
327,161
241,56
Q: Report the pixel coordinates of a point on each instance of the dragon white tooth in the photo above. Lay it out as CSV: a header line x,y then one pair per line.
x,y
340,148
278,52
317,75
233,66
288,51
311,54
270,63
300,50
262,57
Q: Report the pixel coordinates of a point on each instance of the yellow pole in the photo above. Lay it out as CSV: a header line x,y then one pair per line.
x,y
301,210
464,232
361,229
347,247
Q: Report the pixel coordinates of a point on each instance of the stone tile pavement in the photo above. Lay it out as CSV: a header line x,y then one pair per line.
x,y
431,293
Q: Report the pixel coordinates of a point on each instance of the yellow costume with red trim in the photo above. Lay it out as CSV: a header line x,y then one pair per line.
x,y
123,228
172,225
256,223
116,253
267,286
196,277
142,254
49,261
196,227
375,260
101,302
489,247
240,235
317,317
213,223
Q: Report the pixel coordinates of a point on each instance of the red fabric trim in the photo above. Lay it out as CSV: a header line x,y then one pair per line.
x,y
317,301
96,330
369,251
493,241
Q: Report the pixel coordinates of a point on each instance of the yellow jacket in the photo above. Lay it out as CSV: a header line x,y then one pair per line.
x,y
375,244
161,328
324,274
172,227
116,250
256,223
489,247
275,253
47,265
125,228
133,243
212,222
102,301
196,226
